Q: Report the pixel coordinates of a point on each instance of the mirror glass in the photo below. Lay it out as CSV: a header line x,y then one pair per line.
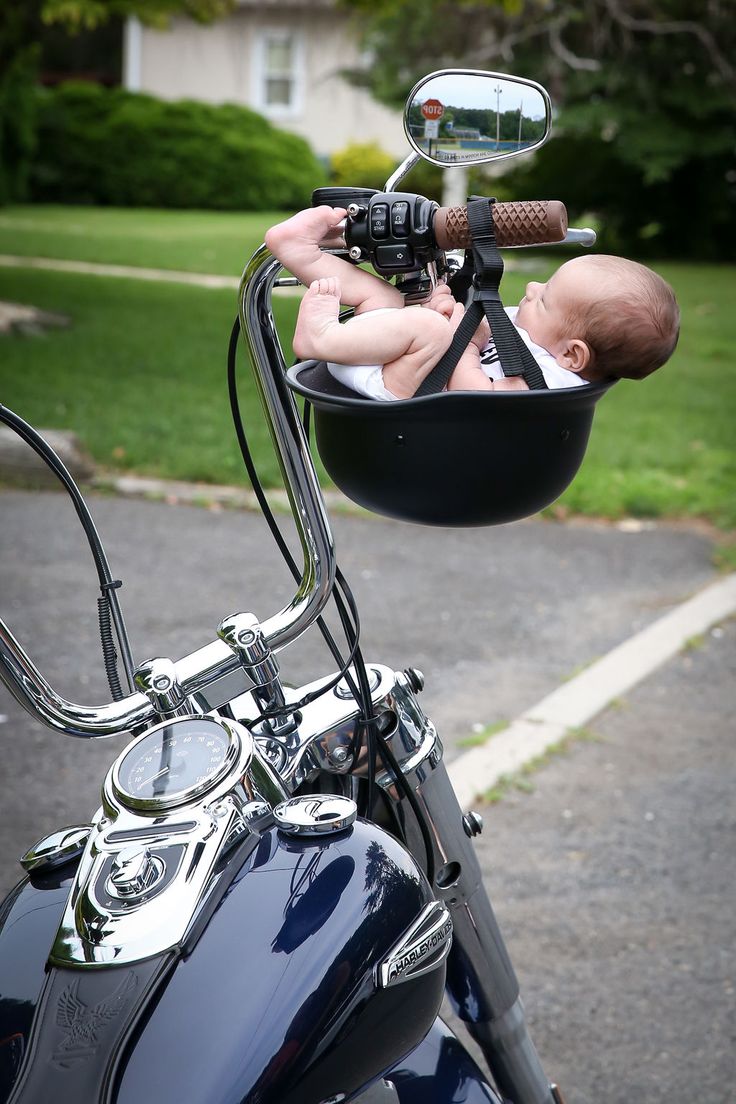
x,y
464,117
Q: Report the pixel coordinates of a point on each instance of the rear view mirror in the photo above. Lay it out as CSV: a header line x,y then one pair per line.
x,y
464,116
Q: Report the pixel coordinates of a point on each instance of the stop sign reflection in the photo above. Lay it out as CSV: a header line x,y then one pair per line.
x,y
433,109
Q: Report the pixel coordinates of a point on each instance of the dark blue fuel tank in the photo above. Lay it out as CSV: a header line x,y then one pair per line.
x,y
278,1002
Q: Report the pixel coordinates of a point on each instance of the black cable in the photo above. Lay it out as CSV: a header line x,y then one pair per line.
x,y
268,514
347,609
108,585
352,631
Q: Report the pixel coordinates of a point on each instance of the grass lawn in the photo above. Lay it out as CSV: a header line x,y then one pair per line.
x,y
140,373
192,241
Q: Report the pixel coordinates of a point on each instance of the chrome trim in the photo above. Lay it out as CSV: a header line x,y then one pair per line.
x,y
134,872
287,433
401,171
584,236
56,849
184,845
315,814
240,751
422,948
157,679
477,73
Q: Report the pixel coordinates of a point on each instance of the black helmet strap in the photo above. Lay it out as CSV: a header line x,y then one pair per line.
x,y
514,356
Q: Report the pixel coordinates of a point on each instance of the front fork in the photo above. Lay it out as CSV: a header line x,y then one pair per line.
x,y
481,982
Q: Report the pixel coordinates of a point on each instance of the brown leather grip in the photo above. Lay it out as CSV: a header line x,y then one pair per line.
x,y
524,222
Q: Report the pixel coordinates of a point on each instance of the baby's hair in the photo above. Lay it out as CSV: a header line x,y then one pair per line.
x,y
632,329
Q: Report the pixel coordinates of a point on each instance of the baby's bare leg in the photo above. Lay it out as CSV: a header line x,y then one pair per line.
x,y
295,243
407,341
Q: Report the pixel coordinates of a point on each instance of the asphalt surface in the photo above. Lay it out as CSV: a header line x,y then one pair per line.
x,y
613,880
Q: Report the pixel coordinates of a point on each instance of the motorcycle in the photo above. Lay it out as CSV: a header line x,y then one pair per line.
x,y
279,886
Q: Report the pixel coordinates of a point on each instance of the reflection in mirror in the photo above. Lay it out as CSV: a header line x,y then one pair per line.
x,y
458,117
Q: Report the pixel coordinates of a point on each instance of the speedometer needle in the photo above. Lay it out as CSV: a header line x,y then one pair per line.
x,y
147,781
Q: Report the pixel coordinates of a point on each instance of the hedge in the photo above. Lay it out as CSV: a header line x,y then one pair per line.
x,y
108,146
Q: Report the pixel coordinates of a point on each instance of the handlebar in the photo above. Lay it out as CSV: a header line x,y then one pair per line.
x,y
524,222
213,674
400,232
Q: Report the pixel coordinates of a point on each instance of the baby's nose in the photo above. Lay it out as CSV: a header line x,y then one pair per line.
x,y
532,289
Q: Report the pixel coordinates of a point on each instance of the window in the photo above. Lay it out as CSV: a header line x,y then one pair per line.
x,y
279,72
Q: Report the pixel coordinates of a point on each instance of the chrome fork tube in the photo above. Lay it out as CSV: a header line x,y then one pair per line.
x,y
481,982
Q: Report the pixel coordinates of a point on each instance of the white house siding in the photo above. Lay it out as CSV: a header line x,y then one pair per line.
x,y
222,62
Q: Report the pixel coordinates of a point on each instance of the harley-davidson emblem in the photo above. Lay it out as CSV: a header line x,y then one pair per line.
x,y
422,948
83,1022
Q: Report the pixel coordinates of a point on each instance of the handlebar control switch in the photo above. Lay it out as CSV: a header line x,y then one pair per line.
x,y
379,221
395,233
157,679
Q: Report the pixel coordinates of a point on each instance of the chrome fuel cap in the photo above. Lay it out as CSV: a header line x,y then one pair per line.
x,y
315,814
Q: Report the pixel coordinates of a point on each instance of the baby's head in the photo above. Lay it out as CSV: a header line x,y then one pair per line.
x,y
603,317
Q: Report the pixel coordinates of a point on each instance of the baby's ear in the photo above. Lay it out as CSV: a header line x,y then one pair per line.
x,y
574,355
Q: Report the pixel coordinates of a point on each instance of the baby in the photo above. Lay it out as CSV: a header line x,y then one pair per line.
x,y
597,317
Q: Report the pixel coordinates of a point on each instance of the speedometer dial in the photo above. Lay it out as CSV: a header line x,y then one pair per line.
x,y
174,763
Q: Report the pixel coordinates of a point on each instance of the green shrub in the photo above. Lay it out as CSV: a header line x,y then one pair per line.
x,y
109,146
17,125
361,165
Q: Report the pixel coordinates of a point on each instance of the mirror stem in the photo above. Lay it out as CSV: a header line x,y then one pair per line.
x,y
399,174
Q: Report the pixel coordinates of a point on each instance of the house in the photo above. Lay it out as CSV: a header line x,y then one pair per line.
x,y
280,57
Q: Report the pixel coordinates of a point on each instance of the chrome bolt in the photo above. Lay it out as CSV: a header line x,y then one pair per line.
x,y
473,824
415,678
162,683
355,253
353,210
339,756
246,637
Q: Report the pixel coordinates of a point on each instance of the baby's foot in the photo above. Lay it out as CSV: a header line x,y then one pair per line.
x,y
318,313
297,238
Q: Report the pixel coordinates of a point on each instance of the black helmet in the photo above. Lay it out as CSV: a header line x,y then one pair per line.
x,y
458,458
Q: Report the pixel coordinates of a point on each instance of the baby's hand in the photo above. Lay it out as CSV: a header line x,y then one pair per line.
x,y
442,301
482,335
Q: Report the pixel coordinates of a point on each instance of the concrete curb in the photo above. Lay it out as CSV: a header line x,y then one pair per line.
x,y
576,702
211,494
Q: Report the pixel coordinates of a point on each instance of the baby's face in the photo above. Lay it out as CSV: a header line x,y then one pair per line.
x,y
548,311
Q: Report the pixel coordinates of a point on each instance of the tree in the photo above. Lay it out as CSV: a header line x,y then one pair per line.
x,y
646,97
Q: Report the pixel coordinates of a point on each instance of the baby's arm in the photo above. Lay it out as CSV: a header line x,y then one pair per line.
x,y
468,374
295,243
472,378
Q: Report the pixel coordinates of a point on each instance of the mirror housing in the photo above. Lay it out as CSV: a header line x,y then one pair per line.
x,y
469,117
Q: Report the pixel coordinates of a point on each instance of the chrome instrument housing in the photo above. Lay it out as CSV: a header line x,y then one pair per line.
x,y
179,845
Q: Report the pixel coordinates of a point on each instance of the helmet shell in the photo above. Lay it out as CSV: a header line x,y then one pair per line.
x,y
459,458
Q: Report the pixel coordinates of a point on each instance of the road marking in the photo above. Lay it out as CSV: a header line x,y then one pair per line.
x,y
576,702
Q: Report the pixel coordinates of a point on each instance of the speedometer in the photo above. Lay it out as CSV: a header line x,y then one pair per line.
x,y
176,762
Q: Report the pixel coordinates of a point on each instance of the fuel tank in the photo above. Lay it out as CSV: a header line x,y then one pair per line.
x,y
312,977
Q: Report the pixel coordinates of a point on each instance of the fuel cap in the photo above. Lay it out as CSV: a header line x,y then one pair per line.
x,y
315,814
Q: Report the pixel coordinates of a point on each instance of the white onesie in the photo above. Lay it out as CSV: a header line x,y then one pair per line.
x,y
367,379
